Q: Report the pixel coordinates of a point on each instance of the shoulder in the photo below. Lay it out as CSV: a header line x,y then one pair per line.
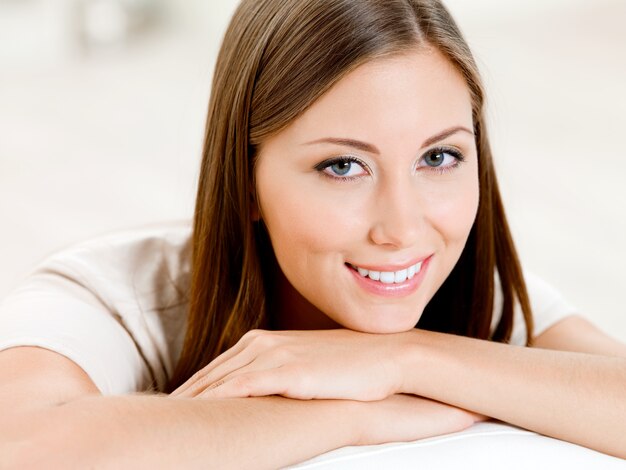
x,y
548,306
115,304
130,246
142,258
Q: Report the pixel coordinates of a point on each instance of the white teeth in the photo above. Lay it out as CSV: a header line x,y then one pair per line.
x,y
418,267
400,276
391,277
411,272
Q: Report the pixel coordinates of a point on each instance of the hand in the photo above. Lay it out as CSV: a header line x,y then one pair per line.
x,y
402,418
334,364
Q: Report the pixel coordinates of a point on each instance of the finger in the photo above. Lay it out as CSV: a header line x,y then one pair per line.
x,y
237,364
250,384
257,364
219,360
242,354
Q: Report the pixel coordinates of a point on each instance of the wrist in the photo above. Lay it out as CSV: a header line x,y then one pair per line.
x,y
414,357
356,419
345,420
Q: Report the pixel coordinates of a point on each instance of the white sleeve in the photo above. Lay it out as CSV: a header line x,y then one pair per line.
x,y
112,305
548,307
52,311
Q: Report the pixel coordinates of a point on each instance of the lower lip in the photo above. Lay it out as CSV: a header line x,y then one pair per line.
x,y
391,290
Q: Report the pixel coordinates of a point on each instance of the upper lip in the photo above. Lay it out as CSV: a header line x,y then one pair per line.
x,y
390,267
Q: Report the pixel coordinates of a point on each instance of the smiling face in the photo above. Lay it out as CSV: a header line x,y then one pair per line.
x,y
369,196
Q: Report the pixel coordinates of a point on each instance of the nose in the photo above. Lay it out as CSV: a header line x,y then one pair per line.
x,y
397,215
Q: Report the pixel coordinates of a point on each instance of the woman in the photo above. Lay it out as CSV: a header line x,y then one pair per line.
x,y
347,194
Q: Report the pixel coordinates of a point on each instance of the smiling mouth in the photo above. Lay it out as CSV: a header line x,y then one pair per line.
x,y
389,277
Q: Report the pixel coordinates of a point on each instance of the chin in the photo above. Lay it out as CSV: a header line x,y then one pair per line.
x,y
382,326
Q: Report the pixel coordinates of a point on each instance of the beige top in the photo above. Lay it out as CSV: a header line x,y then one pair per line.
x,y
115,306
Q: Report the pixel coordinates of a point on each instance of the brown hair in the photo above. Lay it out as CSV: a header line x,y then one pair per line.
x,y
277,58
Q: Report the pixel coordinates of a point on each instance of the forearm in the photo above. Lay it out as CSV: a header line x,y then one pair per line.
x,y
144,431
575,397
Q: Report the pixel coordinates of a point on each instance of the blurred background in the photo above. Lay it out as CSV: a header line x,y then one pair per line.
x,y
102,108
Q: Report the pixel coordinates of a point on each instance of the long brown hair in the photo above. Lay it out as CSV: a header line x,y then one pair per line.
x,y
277,58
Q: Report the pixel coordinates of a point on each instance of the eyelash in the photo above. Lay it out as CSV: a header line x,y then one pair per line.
x,y
350,159
333,161
458,156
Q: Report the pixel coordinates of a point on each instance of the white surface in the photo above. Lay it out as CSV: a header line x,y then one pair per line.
x,y
491,445
93,144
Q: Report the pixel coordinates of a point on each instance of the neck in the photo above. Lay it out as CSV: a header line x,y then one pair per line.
x,y
290,311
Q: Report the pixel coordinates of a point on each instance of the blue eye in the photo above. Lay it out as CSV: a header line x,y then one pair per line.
x,y
435,159
342,168
442,159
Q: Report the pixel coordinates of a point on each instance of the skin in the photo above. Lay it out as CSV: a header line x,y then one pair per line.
x,y
404,385
395,209
329,343
402,211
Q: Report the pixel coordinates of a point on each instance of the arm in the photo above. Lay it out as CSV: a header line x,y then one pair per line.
x,y
154,431
141,431
54,417
579,397
576,394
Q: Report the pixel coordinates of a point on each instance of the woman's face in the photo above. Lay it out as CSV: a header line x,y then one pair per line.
x,y
370,195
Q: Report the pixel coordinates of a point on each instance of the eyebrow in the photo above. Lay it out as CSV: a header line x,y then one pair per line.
x,y
366,147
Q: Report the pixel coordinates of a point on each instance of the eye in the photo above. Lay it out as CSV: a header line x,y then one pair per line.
x,y
342,168
441,159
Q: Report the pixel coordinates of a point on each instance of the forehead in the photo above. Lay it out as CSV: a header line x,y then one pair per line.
x,y
414,94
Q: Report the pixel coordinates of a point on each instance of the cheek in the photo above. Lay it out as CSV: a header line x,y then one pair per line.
x,y
453,208
303,223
